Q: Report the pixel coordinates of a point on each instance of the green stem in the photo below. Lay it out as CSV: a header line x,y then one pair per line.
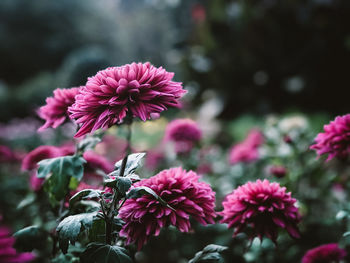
x,y
116,195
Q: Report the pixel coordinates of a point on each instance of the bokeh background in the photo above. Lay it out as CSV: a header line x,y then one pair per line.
x,y
258,56
281,66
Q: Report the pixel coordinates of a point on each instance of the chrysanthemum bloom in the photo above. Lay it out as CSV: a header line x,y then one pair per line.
x,y
184,133
247,150
262,206
145,216
55,112
324,254
139,88
335,140
243,152
7,253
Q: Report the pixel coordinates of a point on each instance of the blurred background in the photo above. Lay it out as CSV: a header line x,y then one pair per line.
x,y
258,56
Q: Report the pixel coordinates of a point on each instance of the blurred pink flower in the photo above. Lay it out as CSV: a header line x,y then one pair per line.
x,y
198,13
184,133
139,88
247,150
278,170
95,162
7,253
42,152
324,254
335,140
153,159
7,155
262,206
145,216
55,112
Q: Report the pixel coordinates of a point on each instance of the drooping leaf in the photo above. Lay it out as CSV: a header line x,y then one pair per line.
x,y
137,192
84,194
59,172
70,228
29,238
123,184
102,253
210,254
132,163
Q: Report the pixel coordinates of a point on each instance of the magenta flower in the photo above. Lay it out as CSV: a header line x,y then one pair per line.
x,y
335,140
145,216
139,88
324,254
262,206
247,150
55,112
7,253
184,133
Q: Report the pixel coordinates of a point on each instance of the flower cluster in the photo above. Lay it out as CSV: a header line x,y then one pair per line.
x,y
184,133
145,216
55,112
247,150
262,206
107,97
324,254
335,140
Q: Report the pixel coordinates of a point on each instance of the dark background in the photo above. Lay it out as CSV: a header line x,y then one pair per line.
x,y
260,56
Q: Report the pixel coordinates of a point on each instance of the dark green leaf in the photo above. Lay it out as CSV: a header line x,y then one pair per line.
x,y
137,192
131,165
58,173
84,194
70,228
210,254
121,183
101,253
30,238
97,231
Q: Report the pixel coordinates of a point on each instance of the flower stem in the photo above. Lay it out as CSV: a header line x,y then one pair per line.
x,y
116,196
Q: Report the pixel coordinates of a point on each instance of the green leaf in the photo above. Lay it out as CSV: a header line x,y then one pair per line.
x,y
88,143
131,165
70,228
84,194
123,184
101,253
58,173
68,258
30,238
210,254
137,192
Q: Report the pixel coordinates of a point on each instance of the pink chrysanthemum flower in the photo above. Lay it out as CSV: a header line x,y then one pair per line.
x,y
262,206
335,140
145,216
55,112
7,253
139,88
324,254
184,133
247,150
